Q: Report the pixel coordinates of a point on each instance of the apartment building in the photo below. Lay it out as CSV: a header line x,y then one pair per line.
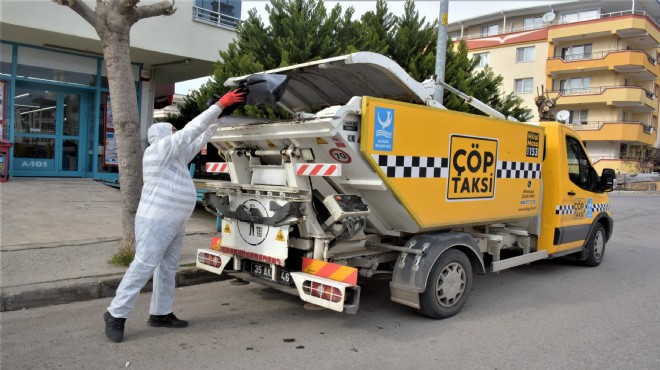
x,y
54,87
598,57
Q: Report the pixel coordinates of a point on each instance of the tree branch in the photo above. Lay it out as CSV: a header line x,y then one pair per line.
x,y
153,10
82,9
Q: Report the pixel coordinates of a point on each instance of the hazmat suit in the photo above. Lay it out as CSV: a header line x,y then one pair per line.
x,y
167,202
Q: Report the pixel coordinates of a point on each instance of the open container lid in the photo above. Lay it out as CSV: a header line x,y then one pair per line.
x,y
334,81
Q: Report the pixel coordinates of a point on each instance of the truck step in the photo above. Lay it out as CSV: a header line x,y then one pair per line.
x,y
517,261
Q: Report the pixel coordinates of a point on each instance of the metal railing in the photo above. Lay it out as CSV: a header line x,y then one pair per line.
x,y
597,125
602,55
560,21
600,90
215,18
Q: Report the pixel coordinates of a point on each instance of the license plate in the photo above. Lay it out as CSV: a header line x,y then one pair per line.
x,y
266,272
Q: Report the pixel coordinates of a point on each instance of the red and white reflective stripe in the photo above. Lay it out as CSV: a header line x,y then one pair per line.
x,y
318,169
217,167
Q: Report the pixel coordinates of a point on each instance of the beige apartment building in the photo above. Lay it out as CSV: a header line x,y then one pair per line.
x,y
600,58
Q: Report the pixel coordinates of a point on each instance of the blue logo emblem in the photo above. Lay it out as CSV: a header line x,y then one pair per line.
x,y
590,208
383,129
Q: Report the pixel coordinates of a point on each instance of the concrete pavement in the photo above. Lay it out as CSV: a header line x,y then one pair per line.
x,y
57,236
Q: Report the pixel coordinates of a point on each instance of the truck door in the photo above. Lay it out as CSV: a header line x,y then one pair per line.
x,y
579,187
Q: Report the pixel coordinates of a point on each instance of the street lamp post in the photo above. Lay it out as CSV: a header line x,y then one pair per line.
x,y
441,51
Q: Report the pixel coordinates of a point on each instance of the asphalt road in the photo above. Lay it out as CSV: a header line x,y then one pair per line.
x,y
548,315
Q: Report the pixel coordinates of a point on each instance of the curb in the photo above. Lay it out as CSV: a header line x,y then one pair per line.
x,y
86,289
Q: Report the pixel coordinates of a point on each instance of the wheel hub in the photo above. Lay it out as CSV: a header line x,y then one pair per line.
x,y
451,284
599,244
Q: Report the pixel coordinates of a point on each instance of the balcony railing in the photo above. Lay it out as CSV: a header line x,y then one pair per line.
x,y
600,90
597,125
215,18
602,55
560,21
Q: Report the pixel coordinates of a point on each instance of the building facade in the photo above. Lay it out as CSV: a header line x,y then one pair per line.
x,y
55,97
598,58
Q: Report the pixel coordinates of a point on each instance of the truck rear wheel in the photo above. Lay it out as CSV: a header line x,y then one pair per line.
x,y
448,286
596,246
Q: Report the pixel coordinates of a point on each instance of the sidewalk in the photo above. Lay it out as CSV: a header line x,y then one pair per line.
x,y
56,238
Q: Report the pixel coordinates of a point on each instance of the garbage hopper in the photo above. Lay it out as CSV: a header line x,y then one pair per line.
x,y
4,160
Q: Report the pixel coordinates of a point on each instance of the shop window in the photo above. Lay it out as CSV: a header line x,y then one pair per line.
x,y
5,59
40,64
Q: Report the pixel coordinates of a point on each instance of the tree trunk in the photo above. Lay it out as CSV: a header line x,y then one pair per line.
x,y
116,49
112,20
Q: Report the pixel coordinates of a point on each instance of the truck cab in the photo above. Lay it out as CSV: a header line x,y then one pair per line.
x,y
581,205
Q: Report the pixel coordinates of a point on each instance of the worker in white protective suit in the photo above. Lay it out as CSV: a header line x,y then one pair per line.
x,y
167,202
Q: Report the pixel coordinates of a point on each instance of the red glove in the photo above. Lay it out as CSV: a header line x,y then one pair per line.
x,y
231,98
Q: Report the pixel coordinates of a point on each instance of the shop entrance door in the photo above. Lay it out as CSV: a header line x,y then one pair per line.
x,y
48,131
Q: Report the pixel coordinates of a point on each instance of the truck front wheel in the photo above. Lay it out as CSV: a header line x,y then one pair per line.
x,y
596,246
448,286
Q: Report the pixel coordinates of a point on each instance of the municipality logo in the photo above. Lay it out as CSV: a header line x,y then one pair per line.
x,y
383,128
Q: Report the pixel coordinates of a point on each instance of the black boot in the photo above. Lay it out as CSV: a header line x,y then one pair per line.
x,y
114,327
166,321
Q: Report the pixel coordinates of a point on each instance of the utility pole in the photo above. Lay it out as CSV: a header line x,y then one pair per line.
x,y
441,51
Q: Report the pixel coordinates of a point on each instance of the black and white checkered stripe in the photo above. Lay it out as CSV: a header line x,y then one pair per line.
x,y
408,166
595,208
518,170
601,207
564,210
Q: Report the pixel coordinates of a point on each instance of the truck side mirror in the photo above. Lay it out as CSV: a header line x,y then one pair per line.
x,y
607,180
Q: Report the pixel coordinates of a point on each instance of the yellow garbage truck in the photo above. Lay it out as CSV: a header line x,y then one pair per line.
x,y
372,176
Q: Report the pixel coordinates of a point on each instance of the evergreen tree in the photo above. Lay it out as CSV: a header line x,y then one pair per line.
x,y
375,30
413,44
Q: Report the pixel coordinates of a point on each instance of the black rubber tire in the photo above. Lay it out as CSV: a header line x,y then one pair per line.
x,y
440,302
596,246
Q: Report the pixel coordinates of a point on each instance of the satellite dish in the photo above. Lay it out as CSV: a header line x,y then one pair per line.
x,y
563,115
548,17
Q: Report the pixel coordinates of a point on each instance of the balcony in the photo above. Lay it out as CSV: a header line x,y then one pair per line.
x,y
645,27
640,29
635,97
218,19
637,63
628,131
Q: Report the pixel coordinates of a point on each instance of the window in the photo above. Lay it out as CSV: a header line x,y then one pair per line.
x,y
525,54
576,52
483,59
579,16
533,23
523,85
578,116
623,151
578,85
579,170
489,30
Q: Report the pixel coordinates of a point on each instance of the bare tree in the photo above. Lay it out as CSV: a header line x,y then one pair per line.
x,y
112,20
